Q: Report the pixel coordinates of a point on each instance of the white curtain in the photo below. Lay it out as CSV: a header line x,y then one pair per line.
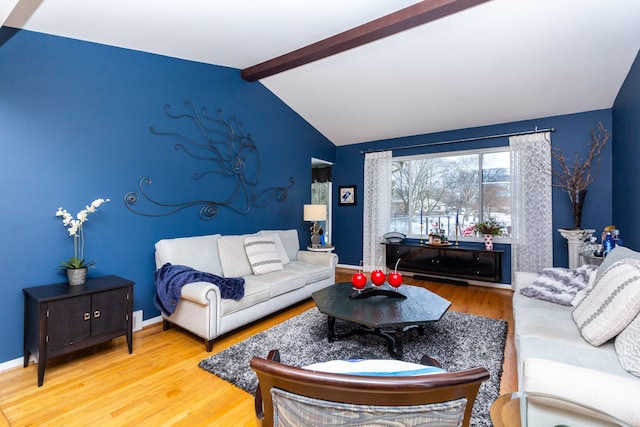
x,y
377,207
531,214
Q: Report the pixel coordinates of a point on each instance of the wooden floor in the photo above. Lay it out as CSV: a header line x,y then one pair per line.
x,y
161,384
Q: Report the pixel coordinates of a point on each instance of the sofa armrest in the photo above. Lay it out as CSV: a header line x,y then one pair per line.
x,y
577,389
523,279
326,259
201,292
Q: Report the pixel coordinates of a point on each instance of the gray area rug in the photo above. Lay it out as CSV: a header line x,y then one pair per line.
x,y
458,341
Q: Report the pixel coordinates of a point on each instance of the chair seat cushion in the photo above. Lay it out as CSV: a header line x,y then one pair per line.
x,y
374,367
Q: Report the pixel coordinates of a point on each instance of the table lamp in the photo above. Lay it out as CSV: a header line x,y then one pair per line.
x,y
315,213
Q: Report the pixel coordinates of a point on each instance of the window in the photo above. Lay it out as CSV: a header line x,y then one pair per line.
x,y
433,191
321,191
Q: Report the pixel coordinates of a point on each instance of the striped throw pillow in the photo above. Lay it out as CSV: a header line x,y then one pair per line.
x,y
263,254
612,304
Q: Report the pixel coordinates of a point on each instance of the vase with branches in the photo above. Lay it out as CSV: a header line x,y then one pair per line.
x,y
574,175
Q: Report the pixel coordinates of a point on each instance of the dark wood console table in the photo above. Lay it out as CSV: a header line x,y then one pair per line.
x,y
453,261
60,318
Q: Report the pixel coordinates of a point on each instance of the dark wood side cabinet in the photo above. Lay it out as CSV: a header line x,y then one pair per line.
x,y
60,318
453,261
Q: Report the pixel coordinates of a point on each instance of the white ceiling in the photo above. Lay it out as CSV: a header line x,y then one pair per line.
x,y
501,61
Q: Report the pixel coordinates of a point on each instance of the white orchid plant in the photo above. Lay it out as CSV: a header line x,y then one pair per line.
x,y
74,226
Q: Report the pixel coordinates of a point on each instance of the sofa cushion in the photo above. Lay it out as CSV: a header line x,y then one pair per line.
x,y
570,387
312,272
254,292
612,304
628,347
233,258
198,252
289,240
278,282
559,285
262,254
602,358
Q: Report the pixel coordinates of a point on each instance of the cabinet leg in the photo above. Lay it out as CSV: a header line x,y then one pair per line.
x,y
130,340
42,363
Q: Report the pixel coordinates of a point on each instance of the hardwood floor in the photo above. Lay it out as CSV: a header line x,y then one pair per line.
x,y
161,384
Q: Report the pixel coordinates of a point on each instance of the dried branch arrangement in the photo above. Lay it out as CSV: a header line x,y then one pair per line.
x,y
575,175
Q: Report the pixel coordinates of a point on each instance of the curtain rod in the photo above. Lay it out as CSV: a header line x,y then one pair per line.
x,y
476,138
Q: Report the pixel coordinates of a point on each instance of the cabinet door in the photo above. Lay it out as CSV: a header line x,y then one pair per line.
x,y
487,265
68,321
395,252
109,311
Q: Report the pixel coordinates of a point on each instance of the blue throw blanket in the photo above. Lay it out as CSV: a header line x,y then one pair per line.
x,y
170,279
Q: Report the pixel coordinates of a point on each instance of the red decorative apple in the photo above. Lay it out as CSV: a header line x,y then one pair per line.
x,y
359,280
378,277
395,278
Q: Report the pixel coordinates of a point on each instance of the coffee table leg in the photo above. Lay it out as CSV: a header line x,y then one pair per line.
x,y
398,341
331,328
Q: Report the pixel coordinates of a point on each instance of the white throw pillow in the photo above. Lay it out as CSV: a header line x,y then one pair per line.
x,y
612,304
262,253
628,347
289,240
282,252
233,258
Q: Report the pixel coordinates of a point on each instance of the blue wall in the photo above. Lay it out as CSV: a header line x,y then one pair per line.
x,y
572,135
75,120
626,158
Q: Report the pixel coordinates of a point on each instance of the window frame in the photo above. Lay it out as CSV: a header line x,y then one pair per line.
x,y
456,153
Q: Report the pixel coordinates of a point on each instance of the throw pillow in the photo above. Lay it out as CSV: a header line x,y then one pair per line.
x,y
583,292
289,240
628,347
282,252
233,258
617,254
262,253
612,304
559,285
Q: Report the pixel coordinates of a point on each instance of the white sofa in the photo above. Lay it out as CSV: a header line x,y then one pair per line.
x,y
560,372
202,311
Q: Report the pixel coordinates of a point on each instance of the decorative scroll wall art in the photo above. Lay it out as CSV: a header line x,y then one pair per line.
x,y
224,150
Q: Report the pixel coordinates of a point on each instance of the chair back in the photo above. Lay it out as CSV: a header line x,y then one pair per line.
x,y
297,396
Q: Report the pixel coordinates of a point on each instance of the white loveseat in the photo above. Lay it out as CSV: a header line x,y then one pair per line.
x,y
202,311
560,372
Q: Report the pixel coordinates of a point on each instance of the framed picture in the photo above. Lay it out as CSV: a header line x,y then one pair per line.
x,y
347,195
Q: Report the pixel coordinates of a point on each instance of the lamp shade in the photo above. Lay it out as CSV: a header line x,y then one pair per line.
x,y
315,212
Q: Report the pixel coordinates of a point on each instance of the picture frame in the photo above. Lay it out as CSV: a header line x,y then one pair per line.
x,y
347,195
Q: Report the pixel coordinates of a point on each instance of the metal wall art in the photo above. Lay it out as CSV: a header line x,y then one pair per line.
x,y
225,151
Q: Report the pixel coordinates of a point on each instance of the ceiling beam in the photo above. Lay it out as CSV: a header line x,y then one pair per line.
x,y
404,19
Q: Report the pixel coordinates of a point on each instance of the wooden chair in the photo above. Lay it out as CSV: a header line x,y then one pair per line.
x,y
295,396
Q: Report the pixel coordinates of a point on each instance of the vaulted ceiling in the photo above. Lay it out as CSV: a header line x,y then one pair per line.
x,y
497,62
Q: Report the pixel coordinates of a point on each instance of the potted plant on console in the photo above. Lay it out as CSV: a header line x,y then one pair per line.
x,y
76,266
490,228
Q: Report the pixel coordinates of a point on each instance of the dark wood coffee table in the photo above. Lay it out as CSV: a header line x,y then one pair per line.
x,y
380,315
